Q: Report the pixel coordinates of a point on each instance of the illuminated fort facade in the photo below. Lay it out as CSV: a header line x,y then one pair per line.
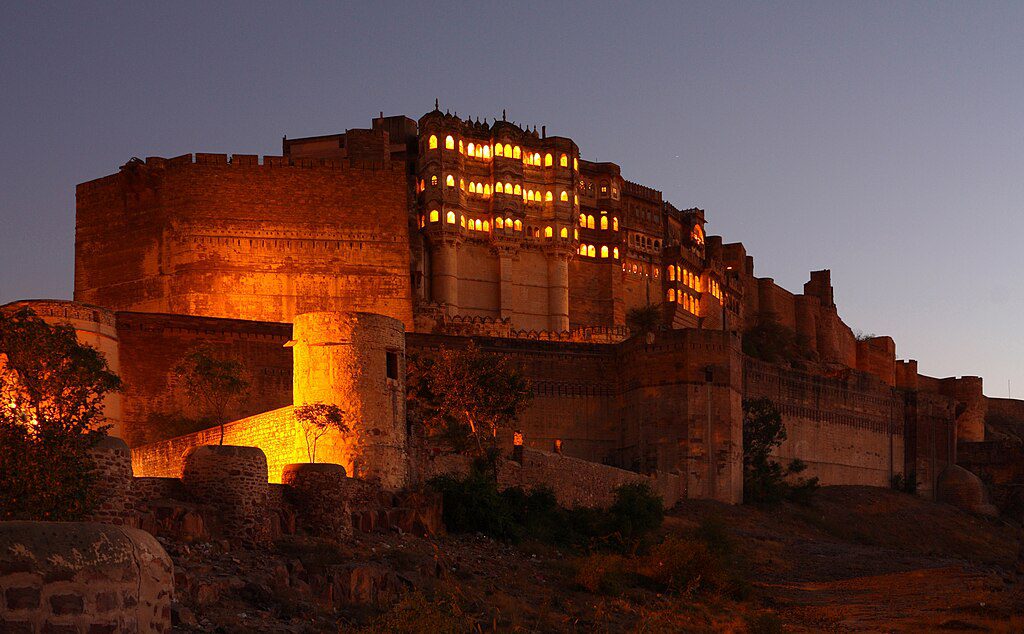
x,y
449,229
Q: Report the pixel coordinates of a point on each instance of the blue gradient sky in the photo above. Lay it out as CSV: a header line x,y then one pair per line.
x,y
883,141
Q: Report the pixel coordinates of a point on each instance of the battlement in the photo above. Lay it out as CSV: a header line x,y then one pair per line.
x,y
641,191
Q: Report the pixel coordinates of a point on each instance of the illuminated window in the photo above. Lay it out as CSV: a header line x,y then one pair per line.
x,y
487,151
576,200
604,251
515,152
548,197
487,190
519,225
615,224
591,251
449,181
433,215
564,233
679,297
563,160
449,142
470,149
671,274
604,223
575,234
472,187
462,184
499,188
547,232
433,180
518,190
450,217
499,223
479,151
508,223
697,234
671,294
528,195
423,185
461,149
536,158
564,196
487,225
615,253
499,150
462,221
547,160
583,249
575,164
479,225
590,222
433,142
508,150
508,188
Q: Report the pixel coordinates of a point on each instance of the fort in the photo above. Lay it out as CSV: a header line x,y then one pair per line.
x,y
322,269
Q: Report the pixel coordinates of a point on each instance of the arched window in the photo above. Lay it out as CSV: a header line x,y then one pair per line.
x,y
575,164
479,225
564,196
487,190
487,225
615,253
519,225
518,190
499,150
536,232
604,223
548,197
499,188
470,149
547,160
547,232
449,181
472,187
576,200
508,188
432,143
564,233
671,294
508,223
671,274
508,150
461,149
536,158
615,224
462,184
433,180
604,251
450,217
563,160
575,234
499,223
590,222
583,220
479,151
515,152
583,249
449,142
487,151
433,215
462,221
423,185
591,251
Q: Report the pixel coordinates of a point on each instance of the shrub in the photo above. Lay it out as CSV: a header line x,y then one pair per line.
x,y
685,567
473,504
415,613
764,479
602,573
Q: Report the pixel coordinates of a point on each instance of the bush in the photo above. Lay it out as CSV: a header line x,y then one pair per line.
x,y
602,573
637,511
685,567
415,613
764,479
473,504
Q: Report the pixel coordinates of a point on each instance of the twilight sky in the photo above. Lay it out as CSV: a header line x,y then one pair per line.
x,y
884,141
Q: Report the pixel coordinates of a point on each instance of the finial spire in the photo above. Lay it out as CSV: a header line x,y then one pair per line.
x,y
502,114
437,104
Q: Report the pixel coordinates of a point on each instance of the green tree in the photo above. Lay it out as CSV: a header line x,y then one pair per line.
x,y
213,386
51,414
466,396
770,341
764,479
317,419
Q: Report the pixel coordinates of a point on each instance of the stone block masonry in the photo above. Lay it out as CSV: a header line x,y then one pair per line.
x,y
82,578
234,481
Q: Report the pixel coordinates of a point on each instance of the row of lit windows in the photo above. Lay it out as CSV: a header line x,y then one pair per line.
x,y
684,276
716,290
591,250
587,222
483,150
483,189
687,301
500,223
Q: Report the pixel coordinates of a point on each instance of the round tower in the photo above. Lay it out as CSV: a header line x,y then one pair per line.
x,y
94,326
357,362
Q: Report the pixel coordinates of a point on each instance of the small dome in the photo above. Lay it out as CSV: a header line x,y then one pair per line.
x,y
963,489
